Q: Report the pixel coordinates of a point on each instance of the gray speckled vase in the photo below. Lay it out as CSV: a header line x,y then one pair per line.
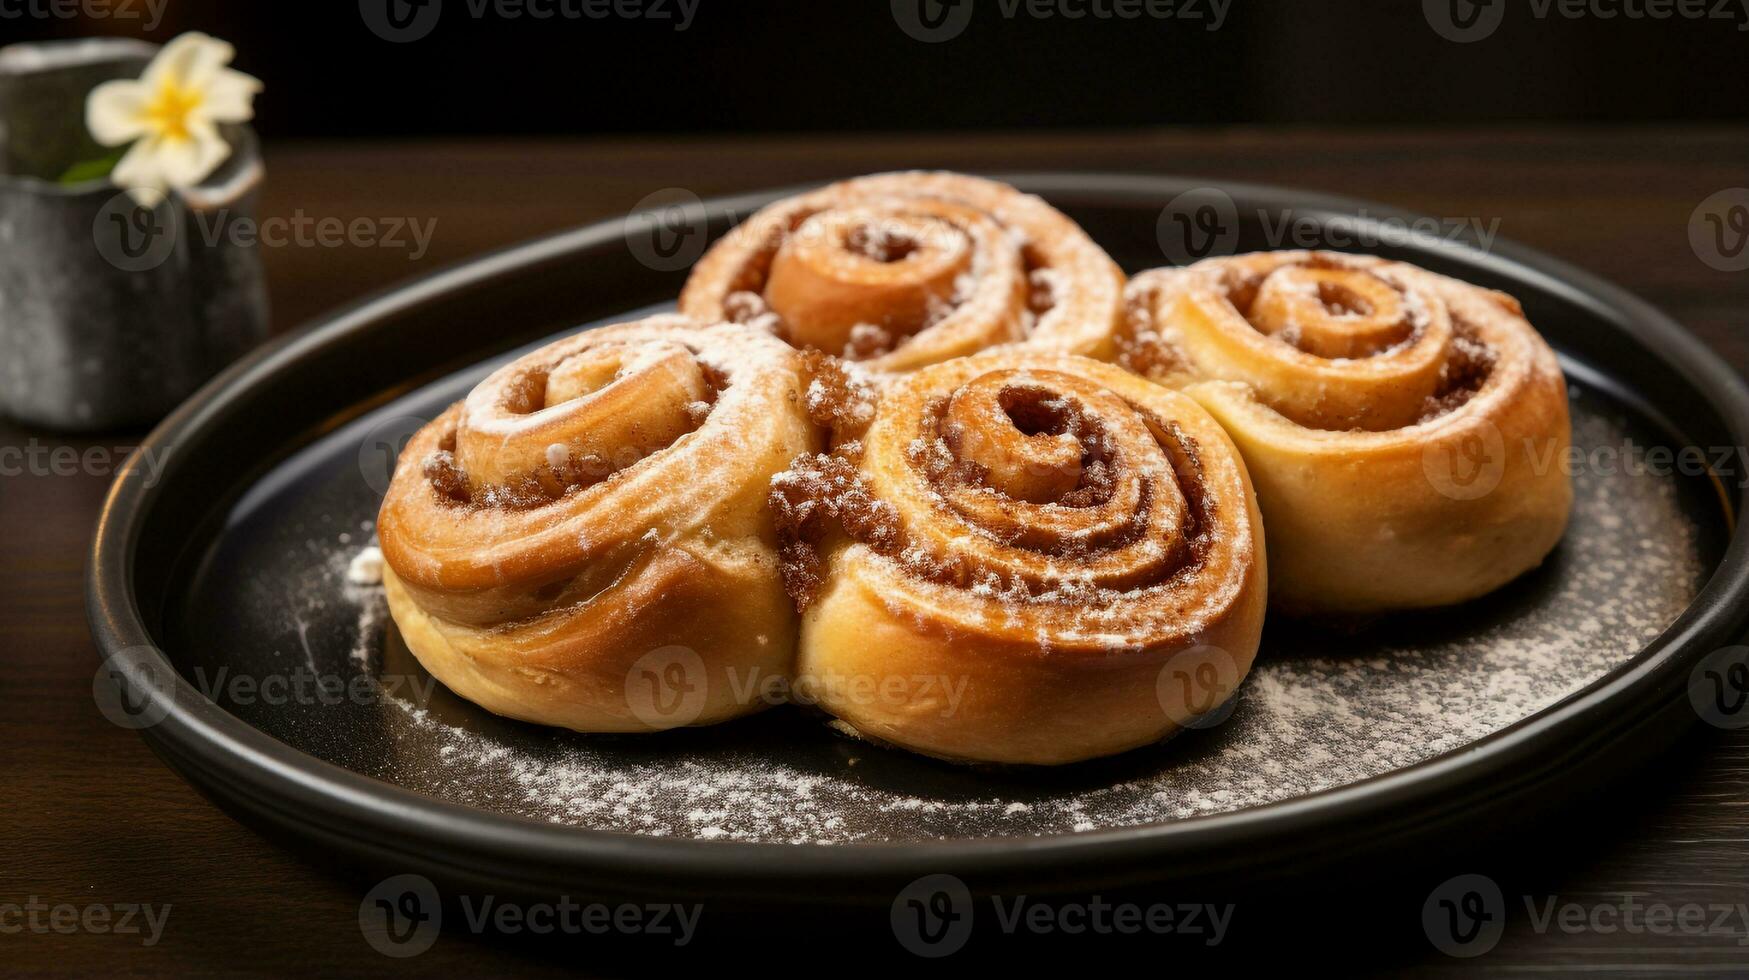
x,y
110,314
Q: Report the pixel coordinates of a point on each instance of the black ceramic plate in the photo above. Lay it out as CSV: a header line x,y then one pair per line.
x,y
219,591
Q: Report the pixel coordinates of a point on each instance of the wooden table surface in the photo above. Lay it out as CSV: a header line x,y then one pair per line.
x,y
93,819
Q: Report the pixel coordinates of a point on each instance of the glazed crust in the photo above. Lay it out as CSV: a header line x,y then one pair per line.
x,y
1404,429
583,542
903,270
1001,621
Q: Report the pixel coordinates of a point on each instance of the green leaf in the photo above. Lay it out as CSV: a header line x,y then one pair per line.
x,y
88,170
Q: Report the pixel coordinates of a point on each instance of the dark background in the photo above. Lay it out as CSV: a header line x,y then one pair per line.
x,y
747,66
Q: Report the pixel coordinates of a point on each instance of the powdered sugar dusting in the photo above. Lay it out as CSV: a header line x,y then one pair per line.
x,y
1322,709
366,567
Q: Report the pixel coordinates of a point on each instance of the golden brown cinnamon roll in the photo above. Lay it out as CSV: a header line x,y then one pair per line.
x,y
1027,557
907,269
584,540
1398,423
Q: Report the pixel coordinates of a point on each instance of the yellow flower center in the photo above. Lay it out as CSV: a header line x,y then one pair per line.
x,y
169,111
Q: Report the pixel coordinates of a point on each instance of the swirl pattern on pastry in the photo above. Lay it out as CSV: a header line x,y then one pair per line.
x,y
1393,419
902,270
595,501
1044,534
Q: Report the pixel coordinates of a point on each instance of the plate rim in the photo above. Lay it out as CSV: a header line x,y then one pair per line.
x,y
224,755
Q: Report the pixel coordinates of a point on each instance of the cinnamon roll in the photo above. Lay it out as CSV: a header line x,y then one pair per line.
x,y
1401,426
584,541
907,269
1024,557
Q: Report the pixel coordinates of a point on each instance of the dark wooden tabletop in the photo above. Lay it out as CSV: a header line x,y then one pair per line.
x,y
92,820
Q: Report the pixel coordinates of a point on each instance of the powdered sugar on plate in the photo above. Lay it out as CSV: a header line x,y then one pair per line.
x,y
1323,708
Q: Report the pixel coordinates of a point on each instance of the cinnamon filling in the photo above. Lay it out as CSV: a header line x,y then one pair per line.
x,y
1042,282
1464,374
860,280
840,399
1331,312
1336,311
1069,465
555,430
880,244
818,494
1140,347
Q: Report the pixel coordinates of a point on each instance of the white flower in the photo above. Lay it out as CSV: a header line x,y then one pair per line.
x,y
171,114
